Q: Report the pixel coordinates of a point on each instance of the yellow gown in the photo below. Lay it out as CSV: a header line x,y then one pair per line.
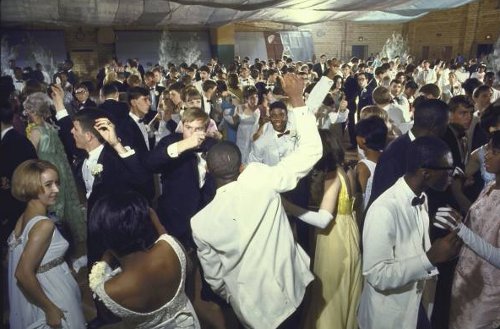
x,y
336,289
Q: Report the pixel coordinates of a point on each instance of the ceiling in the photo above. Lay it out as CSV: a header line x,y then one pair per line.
x,y
212,13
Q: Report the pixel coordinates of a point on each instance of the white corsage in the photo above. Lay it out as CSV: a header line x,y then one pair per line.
x,y
96,169
157,93
98,274
293,133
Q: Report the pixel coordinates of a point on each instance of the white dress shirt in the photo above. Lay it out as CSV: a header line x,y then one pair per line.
x,y
395,264
88,165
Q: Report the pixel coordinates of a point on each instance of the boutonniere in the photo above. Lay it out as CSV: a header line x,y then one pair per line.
x,y
157,93
96,169
293,133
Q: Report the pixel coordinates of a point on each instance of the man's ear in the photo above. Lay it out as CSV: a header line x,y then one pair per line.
x,y
242,167
426,174
361,141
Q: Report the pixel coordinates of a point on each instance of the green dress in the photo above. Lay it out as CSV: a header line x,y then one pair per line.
x,y
68,207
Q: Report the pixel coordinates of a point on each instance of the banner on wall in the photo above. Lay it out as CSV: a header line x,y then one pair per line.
x,y
273,45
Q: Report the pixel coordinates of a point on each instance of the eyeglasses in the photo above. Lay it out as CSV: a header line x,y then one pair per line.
x,y
81,91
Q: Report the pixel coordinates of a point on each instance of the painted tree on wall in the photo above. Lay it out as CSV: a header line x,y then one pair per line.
x,y
7,53
395,46
174,51
43,56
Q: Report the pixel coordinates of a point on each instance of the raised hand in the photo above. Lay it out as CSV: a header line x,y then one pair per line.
x,y
107,130
293,86
57,96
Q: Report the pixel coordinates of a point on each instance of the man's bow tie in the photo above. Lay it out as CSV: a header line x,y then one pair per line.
x,y
284,133
416,201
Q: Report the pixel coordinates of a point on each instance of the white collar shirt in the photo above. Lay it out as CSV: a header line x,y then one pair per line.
x,y
88,166
5,131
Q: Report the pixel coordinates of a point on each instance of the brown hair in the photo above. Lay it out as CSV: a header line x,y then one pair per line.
x,y
27,179
193,113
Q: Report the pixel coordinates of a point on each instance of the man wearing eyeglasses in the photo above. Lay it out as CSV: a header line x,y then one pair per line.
x,y
82,99
398,257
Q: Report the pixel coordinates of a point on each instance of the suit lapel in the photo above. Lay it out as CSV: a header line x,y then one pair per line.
x,y
99,177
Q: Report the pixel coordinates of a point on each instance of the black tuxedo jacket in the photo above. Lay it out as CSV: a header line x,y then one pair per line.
x,y
181,196
118,174
365,97
130,135
117,111
454,145
319,70
14,149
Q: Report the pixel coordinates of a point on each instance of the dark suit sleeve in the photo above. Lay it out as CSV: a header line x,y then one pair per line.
x,y
157,158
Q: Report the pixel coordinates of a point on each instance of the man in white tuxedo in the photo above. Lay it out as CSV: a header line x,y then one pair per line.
x,y
398,257
426,75
244,240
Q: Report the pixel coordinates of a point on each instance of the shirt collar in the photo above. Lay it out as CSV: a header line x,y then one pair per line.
x,y
95,153
135,117
5,131
410,134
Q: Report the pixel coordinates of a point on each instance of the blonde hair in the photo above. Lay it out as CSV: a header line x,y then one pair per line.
x,y
193,113
27,179
373,110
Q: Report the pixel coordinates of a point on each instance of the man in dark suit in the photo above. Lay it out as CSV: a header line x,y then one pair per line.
x,y
135,133
430,119
461,109
321,67
351,90
14,149
186,186
114,109
365,91
155,91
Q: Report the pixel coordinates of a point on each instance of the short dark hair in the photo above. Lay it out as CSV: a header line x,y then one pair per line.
x,y
425,152
470,84
177,86
431,114
208,84
480,89
431,89
122,223
411,85
224,160
374,130
456,101
333,153
109,89
136,92
380,70
278,105
204,68
87,118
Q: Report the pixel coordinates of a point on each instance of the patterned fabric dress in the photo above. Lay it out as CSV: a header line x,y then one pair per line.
x,y
67,207
337,265
475,299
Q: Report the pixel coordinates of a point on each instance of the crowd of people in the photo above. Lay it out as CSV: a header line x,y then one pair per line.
x,y
197,196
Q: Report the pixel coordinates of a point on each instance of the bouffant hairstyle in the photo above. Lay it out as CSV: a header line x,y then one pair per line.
x,y
27,179
38,104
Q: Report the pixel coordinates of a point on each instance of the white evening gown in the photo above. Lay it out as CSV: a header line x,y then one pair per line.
x,y
176,313
247,127
55,279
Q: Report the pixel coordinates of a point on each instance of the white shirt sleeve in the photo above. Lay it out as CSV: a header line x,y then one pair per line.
x,y
318,93
381,268
482,248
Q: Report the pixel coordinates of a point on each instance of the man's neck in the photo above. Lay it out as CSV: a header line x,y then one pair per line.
x,y
415,184
92,146
219,182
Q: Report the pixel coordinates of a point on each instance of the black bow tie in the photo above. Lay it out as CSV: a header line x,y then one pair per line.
x,y
283,134
416,201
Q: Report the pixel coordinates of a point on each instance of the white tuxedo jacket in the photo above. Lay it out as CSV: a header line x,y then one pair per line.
x,y
395,264
245,243
269,148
